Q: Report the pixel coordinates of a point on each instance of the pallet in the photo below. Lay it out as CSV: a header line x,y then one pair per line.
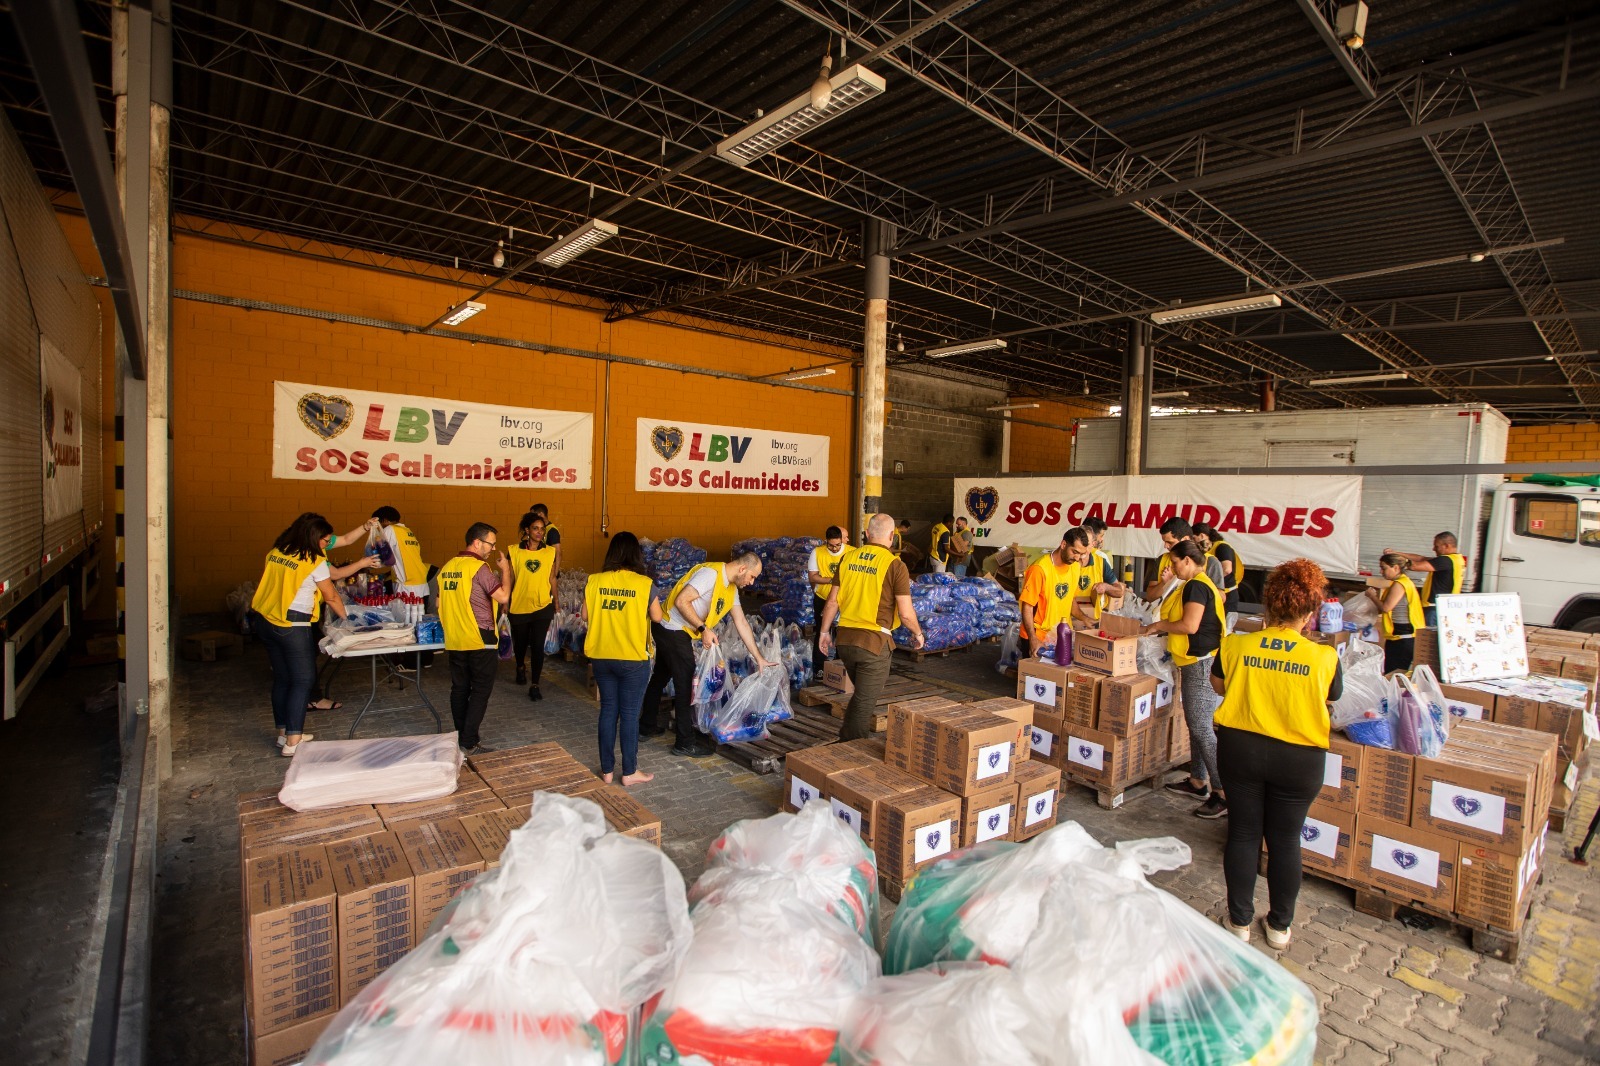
x,y
807,729
1558,820
1110,797
916,655
896,689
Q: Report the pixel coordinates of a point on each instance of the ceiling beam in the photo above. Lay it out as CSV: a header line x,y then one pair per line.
x,y
1355,62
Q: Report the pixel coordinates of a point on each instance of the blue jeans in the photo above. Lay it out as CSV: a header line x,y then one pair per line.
x,y
621,683
292,651
958,569
1430,616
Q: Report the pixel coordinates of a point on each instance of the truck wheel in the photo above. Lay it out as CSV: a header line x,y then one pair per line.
x,y
1586,625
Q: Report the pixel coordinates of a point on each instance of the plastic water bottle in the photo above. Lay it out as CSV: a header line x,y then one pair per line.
x,y
1330,619
1063,643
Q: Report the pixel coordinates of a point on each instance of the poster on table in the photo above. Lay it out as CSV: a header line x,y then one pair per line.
x,y
1266,519
338,434
1480,636
676,456
61,424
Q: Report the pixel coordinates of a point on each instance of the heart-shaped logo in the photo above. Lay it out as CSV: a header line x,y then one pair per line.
x,y
934,838
1038,689
1085,751
1403,859
983,503
667,441
805,795
994,821
994,758
1309,832
1038,737
1038,805
1063,589
1467,805
844,816
326,416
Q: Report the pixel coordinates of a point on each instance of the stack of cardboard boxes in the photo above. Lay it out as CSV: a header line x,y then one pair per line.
x,y
334,898
1460,834
948,775
1100,721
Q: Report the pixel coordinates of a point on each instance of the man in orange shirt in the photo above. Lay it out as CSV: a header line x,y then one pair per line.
x,y
1050,586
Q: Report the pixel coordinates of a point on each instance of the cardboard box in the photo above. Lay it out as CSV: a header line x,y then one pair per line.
x,y
805,772
976,752
377,914
990,814
836,678
915,829
1096,758
1581,666
287,1047
1044,736
1387,779
1108,654
1494,886
1332,640
874,748
1327,840
626,815
1128,704
1249,623
1425,651
456,805
1038,788
1544,661
1413,863
1084,695
444,861
1178,749
855,794
517,791
263,803
491,831
527,753
297,829
1495,744
291,939
907,745
1043,684
1342,774
1466,702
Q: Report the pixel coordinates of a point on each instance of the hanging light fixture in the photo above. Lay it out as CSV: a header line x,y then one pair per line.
x,y
821,89
899,343
499,258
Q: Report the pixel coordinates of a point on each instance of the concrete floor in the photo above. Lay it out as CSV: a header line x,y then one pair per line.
x,y
1388,993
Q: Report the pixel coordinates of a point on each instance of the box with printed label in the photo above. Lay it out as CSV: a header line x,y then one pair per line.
x,y
1178,750
1413,863
1128,704
1327,839
1581,665
1168,696
835,676
491,831
291,938
1489,740
1083,698
455,805
854,794
1045,734
990,814
1494,886
874,747
1569,725
1018,711
304,829
286,1047
926,733
915,829
1387,779
1342,773
1042,684
1096,758
1464,701
1544,661
1038,786
906,745
626,815
1478,800
444,860
976,752
805,772
377,918
516,790
1108,654
527,753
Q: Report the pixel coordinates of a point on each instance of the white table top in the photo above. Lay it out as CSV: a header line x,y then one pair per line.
x,y
398,649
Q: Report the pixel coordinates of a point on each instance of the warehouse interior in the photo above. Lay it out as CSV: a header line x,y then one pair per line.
x,y
951,242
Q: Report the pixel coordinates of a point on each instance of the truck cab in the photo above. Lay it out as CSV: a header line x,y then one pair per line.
x,y
1543,543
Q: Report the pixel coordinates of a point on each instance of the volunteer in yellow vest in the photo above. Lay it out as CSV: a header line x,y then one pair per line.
x,y
410,572
471,592
1401,613
1194,619
1172,531
1103,571
620,606
1446,570
820,573
1225,555
294,584
534,566
960,553
901,545
939,544
704,596
1052,584
1272,740
873,589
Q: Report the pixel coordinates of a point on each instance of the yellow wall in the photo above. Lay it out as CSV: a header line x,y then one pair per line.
x,y
1037,449
1554,444
228,508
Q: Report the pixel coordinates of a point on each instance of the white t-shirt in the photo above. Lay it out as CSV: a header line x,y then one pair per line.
x,y
824,561
305,599
704,583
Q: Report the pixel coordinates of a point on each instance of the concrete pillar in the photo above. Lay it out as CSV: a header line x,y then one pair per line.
x,y
876,239
1269,394
1137,373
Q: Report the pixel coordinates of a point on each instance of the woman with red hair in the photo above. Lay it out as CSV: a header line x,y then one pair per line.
x,y
1272,744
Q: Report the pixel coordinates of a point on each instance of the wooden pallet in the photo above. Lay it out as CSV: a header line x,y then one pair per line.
x,y
1110,797
917,655
897,688
806,729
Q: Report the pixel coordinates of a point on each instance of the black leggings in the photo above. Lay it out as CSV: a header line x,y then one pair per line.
x,y
527,638
1398,654
1270,786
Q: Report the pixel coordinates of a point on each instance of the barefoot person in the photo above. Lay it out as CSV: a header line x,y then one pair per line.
x,y
620,604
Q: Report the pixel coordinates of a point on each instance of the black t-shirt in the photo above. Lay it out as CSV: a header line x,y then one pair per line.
x,y
1335,687
1205,640
1444,578
552,537
1226,554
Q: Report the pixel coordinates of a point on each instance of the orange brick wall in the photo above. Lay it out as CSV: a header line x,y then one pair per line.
x,y
228,507
1557,443
1037,449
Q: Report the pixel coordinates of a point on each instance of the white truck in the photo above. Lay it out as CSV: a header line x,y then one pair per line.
x,y
1541,541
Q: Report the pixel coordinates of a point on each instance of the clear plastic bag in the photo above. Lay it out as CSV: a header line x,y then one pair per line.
x,y
966,1012
1366,692
340,773
552,637
544,959
1010,648
1422,723
505,643
744,715
1360,609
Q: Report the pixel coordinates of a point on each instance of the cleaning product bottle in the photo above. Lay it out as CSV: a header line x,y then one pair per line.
x,y
1063,643
1330,619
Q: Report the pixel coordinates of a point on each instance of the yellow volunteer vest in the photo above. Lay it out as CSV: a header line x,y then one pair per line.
x,y
461,632
619,615
549,528
723,595
1455,580
1172,611
530,584
897,543
1238,567
410,555
939,530
1060,589
280,583
1413,608
827,564
1277,685
862,572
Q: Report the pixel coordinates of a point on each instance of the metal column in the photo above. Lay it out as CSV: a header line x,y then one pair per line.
x,y
876,239
1138,367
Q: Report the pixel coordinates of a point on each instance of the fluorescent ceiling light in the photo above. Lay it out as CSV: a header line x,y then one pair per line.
x,y
850,87
1360,379
461,312
1014,407
1216,307
802,375
577,242
989,344
1172,394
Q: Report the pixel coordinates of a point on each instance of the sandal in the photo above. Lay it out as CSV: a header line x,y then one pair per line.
x,y
288,749
317,705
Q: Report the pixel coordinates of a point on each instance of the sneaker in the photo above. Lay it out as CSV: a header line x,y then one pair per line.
x,y
651,730
522,676
478,749
534,694
1186,787
1214,807
282,740
1277,939
708,746
289,749
690,750
1240,931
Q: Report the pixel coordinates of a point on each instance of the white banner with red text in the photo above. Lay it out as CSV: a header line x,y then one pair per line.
x,y
1267,519
337,434
674,456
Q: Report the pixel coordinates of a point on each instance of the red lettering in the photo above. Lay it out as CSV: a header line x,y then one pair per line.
x,y
374,430
1205,515
1156,514
334,461
1033,514
1232,522
1321,523
1052,513
1263,520
694,449
655,475
1075,514
558,474
1294,522
390,464
306,460
1184,513
1111,516
1014,513
503,471
1096,510
1135,516
358,463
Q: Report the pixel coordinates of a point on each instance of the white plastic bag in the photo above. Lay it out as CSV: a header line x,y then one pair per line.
x,y
1424,723
339,773
1360,609
744,716
966,1012
1010,648
1366,691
